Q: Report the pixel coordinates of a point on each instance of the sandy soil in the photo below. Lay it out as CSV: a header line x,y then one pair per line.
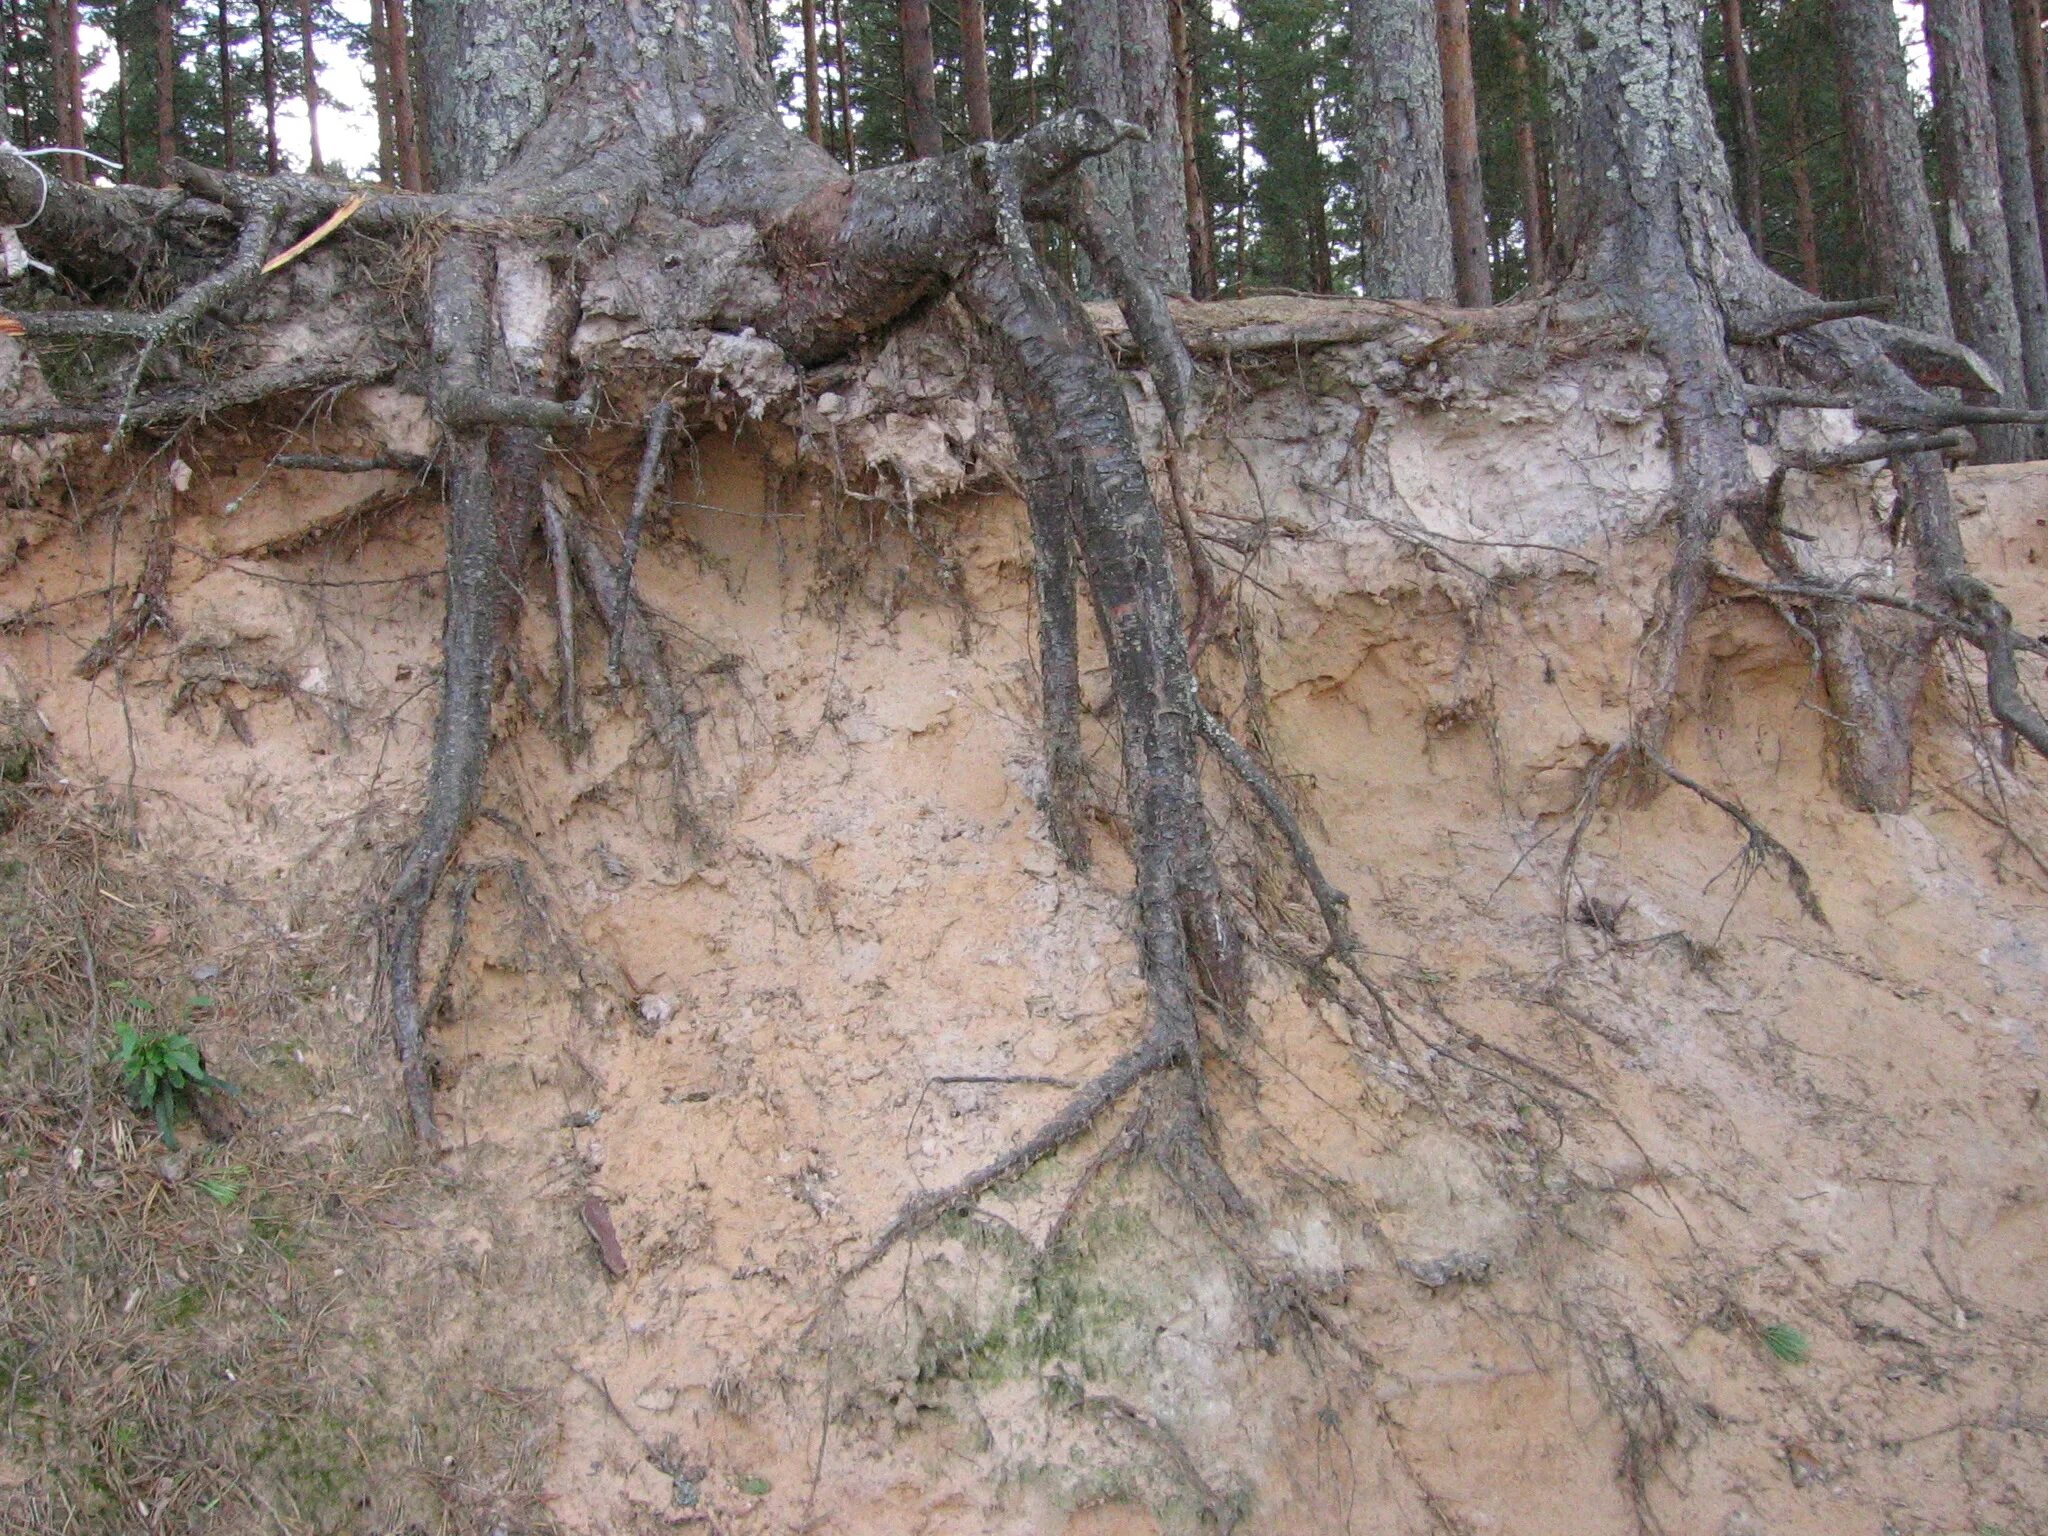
x,y
1667,1118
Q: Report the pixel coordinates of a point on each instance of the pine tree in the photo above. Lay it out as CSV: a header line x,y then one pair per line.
x,y
1979,256
1398,144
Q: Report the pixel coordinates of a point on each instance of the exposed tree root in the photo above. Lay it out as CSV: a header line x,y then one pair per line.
x,y
652,463
638,646
1049,499
481,591
147,603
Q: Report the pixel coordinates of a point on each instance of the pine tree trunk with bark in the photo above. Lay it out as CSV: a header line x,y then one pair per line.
x,y
380,96
1186,93
309,63
1805,225
981,122
1979,253
1892,204
166,31
1398,123
66,83
1121,64
230,113
1535,226
1464,191
2022,216
1748,143
2033,56
921,130
266,28
404,120
814,117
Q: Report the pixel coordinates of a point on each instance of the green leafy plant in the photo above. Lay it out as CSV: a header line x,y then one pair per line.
x,y
1787,1343
161,1071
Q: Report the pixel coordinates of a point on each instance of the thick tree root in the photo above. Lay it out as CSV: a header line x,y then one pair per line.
x,y
487,515
1049,498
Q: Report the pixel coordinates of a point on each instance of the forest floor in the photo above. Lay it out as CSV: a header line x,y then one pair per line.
x,y
1754,1245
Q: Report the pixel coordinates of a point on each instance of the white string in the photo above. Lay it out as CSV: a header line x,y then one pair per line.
x,y
28,156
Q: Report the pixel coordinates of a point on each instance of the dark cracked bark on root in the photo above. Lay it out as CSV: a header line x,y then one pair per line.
x,y
492,496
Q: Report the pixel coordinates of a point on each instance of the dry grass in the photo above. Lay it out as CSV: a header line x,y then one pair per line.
x,y
228,1337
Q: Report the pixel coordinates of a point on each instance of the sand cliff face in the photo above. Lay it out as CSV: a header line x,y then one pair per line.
x,y
1654,1120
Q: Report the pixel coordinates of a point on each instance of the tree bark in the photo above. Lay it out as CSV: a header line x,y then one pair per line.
x,y
124,123
1121,62
981,123
266,27
2026,22
920,83
224,41
404,122
2022,216
1464,191
1398,120
1748,145
1186,92
1979,255
380,94
849,155
1805,227
61,36
814,117
310,64
166,88
1535,227
1884,156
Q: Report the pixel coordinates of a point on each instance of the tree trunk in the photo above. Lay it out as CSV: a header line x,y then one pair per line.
x,y
1186,92
920,82
1121,64
1463,189
1241,234
1535,227
1884,158
309,62
1748,150
380,94
166,87
981,123
398,72
266,27
1805,227
2026,22
61,34
124,124
1322,254
814,117
2022,217
224,40
841,78
1979,256
1398,119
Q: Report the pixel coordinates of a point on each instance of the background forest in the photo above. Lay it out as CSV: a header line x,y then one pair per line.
x,y
1272,103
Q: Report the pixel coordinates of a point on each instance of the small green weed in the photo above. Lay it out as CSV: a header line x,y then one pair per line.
x,y
161,1071
224,1189
1787,1343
